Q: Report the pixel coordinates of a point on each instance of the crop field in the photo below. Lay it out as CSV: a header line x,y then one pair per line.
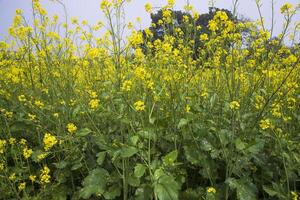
x,y
199,112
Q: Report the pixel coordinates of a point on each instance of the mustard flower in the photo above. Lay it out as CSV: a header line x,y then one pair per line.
x,y
94,103
285,8
22,98
126,86
139,106
265,124
234,105
32,178
12,177
148,7
27,152
71,127
22,186
211,190
2,146
49,141
45,177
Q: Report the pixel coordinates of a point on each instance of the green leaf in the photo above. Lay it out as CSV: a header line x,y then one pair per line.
x,y
170,158
76,166
245,189
183,122
100,157
83,132
94,183
127,152
139,170
239,144
112,192
166,188
133,181
269,190
61,164
256,146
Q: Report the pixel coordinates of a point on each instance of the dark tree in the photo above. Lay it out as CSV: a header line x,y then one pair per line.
x,y
178,21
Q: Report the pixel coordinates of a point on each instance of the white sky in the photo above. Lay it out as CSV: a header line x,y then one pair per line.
x,y
90,10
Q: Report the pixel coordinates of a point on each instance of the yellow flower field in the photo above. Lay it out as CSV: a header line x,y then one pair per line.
x,y
115,117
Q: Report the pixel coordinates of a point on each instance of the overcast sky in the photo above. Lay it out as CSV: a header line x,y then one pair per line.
x,y
90,10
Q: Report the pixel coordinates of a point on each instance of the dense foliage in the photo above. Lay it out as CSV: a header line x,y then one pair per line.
x,y
86,117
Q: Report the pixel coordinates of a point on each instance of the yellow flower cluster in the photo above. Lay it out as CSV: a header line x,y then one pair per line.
x,y
234,105
211,190
45,177
27,152
49,141
2,146
265,124
71,128
139,106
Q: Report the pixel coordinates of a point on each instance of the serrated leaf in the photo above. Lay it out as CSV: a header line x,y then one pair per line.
x,y
83,132
170,158
139,170
94,183
127,152
166,188
245,189
239,144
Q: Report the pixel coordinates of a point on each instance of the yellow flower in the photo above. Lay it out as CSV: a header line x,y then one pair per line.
x,y
291,102
31,117
22,186
42,156
187,108
32,178
8,114
234,105
23,141
211,190
126,86
2,146
285,8
49,141
148,7
55,115
71,128
12,141
203,37
171,3
27,152
45,177
105,4
12,177
139,106
265,124
22,98
39,104
294,195
93,95
136,38
1,166
94,103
